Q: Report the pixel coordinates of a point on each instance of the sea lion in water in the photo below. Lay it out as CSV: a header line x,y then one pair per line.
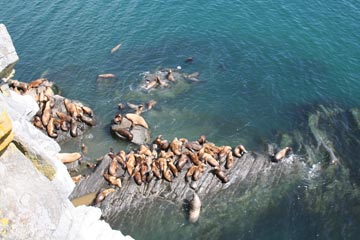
x,y
194,208
170,76
103,194
68,157
114,49
106,75
281,154
189,60
150,104
117,119
137,120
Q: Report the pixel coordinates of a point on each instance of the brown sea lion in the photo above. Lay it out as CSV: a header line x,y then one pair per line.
x,y
137,120
170,76
103,194
194,158
194,208
45,117
50,128
155,170
113,180
161,82
137,177
224,153
172,168
229,160
68,157
77,178
121,106
117,119
197,172
281,154
151,84
122,132
114,49
88,111
71,108
106,75
64,116
113,167
145,150
221,175
49,92
130,164
190,172
239,151
163,164
84,148
182,162
74,128
36,83
150,104
210,160
167,175
88,120
175,146
195,146
37,123
202,139
64,125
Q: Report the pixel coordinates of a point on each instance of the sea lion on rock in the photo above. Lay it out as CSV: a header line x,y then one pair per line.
x,y
37,123
190,172
36,83
172,168
130,164
221,175
155,170
103,194
122,132
88,120
182,162
74,128
239,151
68,157
113,167
64,116
50,128
71,108
77,178
197,172
117,119
88,111
170,76
210,160
45,117
175,146
167,175
113,180
194,208
229,160
281,154
137,177
137,120
202,139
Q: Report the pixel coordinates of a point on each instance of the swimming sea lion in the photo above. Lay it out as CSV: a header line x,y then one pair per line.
x,y
281,154
114,49
189,60
151,84
106,75
103,194
84,148
121,106
137,120
68,157
194,208
122,132
150,104
170,76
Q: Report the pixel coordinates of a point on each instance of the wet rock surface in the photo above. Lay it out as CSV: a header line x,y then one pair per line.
x,y
8,55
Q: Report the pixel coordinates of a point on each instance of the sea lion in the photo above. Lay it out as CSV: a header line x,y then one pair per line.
x,y
194,158
113,180
197,172
239,151
113,167
281,154
202,139
189,60
68,157
137,120
137,177
84,148
114,49
229,160
71,108
122,132
103,194
64,125
88,111
106,75
48,92
88,120
194,146
77,178
45,117
117,119
194,208
182,162
210,160
170,76
151,84
155,170
50,128
150,104
167,175
36,83
190,172
37,123
172,168
161,83
74,128
145,150
175,146
121,106
64,116
162,163
130,164
224,153
221,175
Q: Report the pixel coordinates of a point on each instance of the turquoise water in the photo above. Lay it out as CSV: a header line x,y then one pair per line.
x,y
262,62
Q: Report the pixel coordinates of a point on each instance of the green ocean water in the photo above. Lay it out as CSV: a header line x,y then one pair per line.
x,y
263,64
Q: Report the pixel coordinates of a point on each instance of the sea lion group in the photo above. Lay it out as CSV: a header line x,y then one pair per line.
x,y
56,114
164,160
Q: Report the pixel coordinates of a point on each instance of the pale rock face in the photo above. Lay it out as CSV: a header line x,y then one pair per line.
x,y
8,54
